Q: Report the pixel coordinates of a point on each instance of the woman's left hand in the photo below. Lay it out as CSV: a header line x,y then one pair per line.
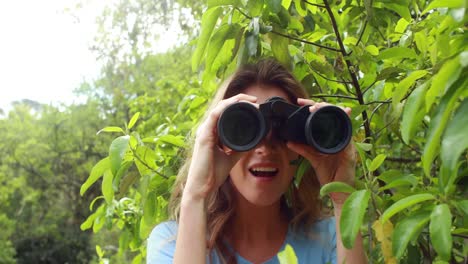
x,y
328,167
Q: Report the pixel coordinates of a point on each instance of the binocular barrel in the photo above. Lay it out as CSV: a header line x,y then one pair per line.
x,y
242,126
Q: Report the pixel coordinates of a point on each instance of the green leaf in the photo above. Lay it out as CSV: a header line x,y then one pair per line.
x,y
133,120
405,203
421,41
96,172
444,78
88,223
373,50
405,84
439,230
397,53
255,7
402,181
463,206
177,141
438,123
454,142
444,3
217,41
336,187
117,151
408,229
304,165
300,8
149,208
214,3
286,4
412,113
364,146
209,19
402,10
375,164
353,212
401,25
274,5
287,256
111,129
279,47
107,188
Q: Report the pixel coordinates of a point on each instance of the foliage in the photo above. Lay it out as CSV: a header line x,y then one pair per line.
x,y
401,67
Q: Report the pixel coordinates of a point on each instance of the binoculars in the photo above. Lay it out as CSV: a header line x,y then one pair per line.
x,y
242,126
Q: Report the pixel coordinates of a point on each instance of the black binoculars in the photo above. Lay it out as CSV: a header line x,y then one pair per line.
x,y
242,126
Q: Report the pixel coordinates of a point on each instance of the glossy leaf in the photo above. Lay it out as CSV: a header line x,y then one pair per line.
x,y
405,203
336,187
445,77
111,129
96,172
107,188
413,112
375,164
352,216
439,229
209,19
454,142
133,120
405,84
438,123
407,230
117,151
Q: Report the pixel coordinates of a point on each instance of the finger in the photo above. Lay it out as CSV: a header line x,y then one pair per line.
x,y
302,101
317,106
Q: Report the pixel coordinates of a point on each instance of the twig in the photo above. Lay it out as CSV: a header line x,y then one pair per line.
x,y
389,101
333,96
370,86
312,4
146,165
403,160
304,41
331,80
242,12
362,33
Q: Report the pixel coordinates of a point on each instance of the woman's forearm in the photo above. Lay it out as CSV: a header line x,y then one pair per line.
x,y
191,234
344,255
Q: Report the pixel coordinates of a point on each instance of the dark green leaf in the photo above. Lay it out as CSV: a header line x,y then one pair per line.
x,y
208,23
279,47
408,229
439,229
405,203
454,142
412,113
352,216
397,53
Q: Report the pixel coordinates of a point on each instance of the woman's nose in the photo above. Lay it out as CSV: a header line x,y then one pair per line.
x,y
268,145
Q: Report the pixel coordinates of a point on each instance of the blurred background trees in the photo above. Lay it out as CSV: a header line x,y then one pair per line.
x,y
401,66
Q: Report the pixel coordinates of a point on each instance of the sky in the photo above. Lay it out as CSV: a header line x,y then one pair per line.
x,y
44,49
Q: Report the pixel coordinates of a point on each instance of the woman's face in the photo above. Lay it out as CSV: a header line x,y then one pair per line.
x,y
264,173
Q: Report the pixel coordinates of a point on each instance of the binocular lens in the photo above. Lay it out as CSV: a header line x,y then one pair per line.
x,y
329,129
241,126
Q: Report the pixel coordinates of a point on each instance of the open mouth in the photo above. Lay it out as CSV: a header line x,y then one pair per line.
x,y
263,172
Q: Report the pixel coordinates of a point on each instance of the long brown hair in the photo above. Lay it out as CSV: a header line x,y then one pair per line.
x,y
301,205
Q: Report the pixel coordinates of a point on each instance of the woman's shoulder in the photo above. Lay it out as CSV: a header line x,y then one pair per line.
x,y
161,243
164,230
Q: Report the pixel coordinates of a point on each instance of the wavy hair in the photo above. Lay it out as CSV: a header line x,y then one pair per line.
x,y
301,205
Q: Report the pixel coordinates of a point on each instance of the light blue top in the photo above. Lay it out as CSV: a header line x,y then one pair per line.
x,y
318,246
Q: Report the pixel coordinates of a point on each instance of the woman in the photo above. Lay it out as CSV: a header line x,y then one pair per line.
x,y
243,207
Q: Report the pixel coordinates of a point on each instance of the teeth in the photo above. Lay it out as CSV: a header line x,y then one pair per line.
x,y
264,169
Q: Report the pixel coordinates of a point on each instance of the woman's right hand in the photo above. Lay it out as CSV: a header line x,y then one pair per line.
x,y
211,164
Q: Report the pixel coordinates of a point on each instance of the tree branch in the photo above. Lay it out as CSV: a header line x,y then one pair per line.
x,y
333,96
312,4
331,80
351,70
304,41
362,33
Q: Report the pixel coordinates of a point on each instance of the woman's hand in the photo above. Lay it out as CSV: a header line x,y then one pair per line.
x,y
328,167
210,164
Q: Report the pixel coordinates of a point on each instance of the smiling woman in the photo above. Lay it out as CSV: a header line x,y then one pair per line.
x,y
242,207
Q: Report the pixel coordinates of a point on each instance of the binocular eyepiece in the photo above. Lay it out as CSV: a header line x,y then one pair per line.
x,y
242,126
